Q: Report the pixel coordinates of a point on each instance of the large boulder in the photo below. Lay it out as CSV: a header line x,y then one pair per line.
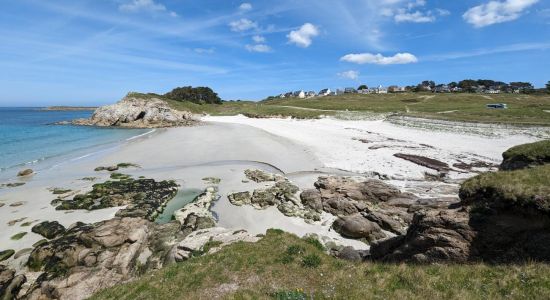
x,y
138,111
434,236
358,227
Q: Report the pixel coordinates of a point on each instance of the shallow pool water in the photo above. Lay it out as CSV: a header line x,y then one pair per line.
x,y
184,197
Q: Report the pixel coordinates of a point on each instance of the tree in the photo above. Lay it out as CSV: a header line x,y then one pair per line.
x,y
429,83
199,95
468,85
363,87
524,87
548,86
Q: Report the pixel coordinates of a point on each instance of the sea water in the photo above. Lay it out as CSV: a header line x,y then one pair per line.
x,y
28,138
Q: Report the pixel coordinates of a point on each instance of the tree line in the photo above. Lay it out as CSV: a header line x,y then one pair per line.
x,y
198,95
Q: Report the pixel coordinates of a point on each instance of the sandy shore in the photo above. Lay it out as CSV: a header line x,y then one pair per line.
x,y
225,146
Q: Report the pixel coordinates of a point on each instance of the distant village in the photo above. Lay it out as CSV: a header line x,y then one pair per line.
x,y
464,86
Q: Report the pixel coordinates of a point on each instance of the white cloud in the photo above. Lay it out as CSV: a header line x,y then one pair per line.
x,y
258,48
379,59
414,17
258,39
353,75
145,5
495,12
302,37
245,7
242,25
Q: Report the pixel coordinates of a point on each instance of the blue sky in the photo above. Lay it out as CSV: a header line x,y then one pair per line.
x,y
94,52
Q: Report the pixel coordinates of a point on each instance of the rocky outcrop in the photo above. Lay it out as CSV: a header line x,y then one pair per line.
x,y
90,257
210,241
143,197
138,111
10,283
48,229
528,155
257,175
197,215
434,236
283,194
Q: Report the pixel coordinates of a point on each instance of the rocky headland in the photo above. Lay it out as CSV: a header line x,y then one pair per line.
x,y
137,111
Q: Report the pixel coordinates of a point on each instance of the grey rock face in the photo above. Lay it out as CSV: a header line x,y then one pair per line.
x,y
138,112
356,226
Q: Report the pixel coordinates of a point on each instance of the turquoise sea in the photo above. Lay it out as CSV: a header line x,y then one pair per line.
x,y
28,138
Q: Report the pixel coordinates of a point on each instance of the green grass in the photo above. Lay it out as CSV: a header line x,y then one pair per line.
x,y
525,187
255,271
532,152
523,109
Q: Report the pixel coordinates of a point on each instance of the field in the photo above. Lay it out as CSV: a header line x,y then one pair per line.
x,y
282,266
522,109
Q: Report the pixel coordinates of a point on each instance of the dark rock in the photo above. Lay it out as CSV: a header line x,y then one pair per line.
x,y
10,284
49,229
356,226
434,236
26,172
194,222
427,162
6,254
144,197
350,254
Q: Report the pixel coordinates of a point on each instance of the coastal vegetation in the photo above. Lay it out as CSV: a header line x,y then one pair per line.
x,y
199,95
283,266
523,109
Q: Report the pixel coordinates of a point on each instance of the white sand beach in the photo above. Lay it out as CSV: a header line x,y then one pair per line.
x,y
224,147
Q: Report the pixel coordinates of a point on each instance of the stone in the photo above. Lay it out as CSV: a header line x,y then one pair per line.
x,y
312,199
350,254
10,283
434,236
217,237
138,111
358,227
426,162
49,229
370,190
91,257
6,254
143,198
24,173
240,199
197,213
257,175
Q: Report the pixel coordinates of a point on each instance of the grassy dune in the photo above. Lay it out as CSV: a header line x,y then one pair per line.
x,y
523,109
282,266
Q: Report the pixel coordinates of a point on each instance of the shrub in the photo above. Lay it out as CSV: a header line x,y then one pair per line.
x,y
315,242
311,261
199,95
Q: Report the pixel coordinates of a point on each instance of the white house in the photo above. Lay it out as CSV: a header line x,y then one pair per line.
x,y
382,90
311,94
324,92
300,94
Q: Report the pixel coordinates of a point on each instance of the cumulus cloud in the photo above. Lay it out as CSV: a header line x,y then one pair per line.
x,y
353,75
303,36
245,7
379,59
495,12
243,25
258,48
258,39
145,5
412,11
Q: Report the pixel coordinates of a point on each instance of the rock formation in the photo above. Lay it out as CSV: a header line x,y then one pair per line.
x,y
138,111
48,229
10,284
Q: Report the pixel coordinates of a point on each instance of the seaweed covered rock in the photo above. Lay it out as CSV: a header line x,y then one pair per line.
x,y
257,175
240,199
6,254
527,155
138,111
143,198
90,257
48,229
